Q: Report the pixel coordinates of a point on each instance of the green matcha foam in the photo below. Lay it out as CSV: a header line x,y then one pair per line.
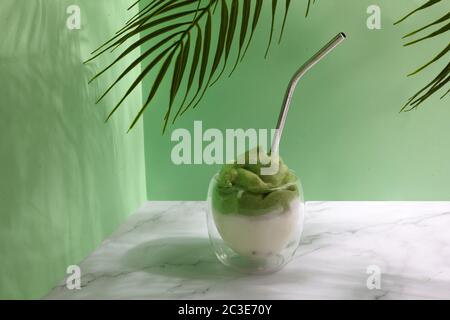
x,y
240,187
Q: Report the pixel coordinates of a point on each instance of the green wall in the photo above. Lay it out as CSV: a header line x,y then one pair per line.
x,y
345,136
67,179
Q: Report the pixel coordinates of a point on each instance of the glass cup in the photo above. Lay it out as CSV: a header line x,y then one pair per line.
x,y
263,236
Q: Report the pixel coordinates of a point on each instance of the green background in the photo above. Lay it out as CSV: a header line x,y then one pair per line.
x,y
67,179
344,136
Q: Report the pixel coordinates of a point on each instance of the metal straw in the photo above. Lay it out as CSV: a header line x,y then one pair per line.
x,y
293,84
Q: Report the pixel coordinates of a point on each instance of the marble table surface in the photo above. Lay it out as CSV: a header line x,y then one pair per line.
x,y
163,252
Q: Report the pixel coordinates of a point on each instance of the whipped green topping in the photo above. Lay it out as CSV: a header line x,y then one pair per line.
x,y
241,189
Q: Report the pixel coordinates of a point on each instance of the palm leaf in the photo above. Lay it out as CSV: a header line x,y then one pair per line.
x,y
180,35
194,67
272,26
230,35
283,26
223,29
156,84
442,79
256,16
309,6
245,20
427,4
205,59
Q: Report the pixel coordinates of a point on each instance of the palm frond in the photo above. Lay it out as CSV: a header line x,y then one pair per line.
x,y
310,2
442,79
179,34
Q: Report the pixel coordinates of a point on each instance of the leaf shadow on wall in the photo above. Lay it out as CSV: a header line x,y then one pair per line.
x,y
47,126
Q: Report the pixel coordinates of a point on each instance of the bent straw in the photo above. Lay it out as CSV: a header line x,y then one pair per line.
x,y
293,84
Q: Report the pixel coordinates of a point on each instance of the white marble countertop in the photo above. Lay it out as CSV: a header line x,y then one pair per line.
x,y
163,252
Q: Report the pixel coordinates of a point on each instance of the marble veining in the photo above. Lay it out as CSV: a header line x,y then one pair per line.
x,y
163,252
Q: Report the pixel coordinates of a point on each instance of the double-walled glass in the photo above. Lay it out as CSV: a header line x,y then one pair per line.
x,y
264,233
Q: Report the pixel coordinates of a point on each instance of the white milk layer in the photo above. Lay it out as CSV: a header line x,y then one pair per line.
x,y
260,235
